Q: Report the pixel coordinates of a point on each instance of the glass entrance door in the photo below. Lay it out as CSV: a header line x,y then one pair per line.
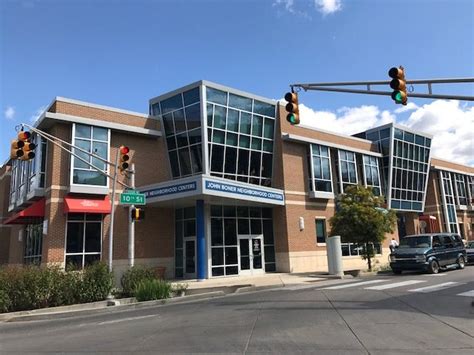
x,y
189,258
251,259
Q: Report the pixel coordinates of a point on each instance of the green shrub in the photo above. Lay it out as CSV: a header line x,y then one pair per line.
x,y
153,290
133,277
32,287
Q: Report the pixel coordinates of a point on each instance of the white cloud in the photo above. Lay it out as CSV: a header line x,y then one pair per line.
x,y
9,113
37,114
452,127
450,123
288,4
327,7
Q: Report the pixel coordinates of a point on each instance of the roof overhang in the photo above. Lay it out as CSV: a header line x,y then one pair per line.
x,y
29,215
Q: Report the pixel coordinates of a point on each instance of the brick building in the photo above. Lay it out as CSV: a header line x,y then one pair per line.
x,y
231,188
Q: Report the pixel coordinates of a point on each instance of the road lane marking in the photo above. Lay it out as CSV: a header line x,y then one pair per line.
x,y
396,284
467,294
435,287
353,284
126,319
435,275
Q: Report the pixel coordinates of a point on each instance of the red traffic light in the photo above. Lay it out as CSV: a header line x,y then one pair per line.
x,y
124,150
23,136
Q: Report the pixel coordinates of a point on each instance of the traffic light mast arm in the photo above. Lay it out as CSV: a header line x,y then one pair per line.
x,y
51,138
333,87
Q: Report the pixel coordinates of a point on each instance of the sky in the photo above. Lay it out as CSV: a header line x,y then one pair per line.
x,y
122,53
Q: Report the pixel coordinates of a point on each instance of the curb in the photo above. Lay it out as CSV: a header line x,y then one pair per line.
x,y
101,306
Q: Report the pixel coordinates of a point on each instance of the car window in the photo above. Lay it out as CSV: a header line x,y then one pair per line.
x,y
422,241
448,243
470,244
457,240
436,241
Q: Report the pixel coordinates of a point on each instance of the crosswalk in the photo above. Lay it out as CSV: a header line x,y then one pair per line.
x,y
389,284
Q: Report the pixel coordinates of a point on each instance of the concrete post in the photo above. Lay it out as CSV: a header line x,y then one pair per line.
x,y
334,256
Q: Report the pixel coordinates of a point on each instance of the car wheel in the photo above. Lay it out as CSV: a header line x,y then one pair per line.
x,y
397,271
433,268
461,263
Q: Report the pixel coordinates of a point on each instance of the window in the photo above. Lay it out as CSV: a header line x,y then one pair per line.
x,y
449,208
320,231
93,140
354,249
83,240
33,243
371,173
240,135
460,188
320,165
185,227
347,169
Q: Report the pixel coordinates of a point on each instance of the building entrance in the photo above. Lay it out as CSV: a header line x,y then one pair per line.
x,y
251,254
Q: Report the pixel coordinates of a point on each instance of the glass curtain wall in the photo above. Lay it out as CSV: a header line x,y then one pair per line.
x,y
229,221
382,139
240,137
450,218
411,158
181,117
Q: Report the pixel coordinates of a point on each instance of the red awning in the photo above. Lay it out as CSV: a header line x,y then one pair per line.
x,y
29,215
86,205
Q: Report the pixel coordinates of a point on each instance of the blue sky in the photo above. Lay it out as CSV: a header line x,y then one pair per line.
x,y
122,53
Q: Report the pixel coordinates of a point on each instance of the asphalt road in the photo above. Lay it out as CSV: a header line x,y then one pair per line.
x,y
407,314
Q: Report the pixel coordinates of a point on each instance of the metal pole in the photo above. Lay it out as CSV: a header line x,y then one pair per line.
x,y
111,230
131,223
387,82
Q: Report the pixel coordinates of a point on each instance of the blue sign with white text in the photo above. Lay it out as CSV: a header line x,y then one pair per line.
x,y
246,191
169,190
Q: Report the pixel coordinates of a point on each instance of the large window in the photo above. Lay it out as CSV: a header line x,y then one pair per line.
x,y
354,249
460,188
371,173
240,136
93,140
347,169
411,157
181,117
83,240
320,231
320,165
229,221
33,243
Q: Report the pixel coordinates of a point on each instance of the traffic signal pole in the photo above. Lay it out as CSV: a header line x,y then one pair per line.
x,y
112,213
429,82
131,222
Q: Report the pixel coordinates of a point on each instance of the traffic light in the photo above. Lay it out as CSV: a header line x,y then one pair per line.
x,y
293,115
137,214
22,148
399,85
124,158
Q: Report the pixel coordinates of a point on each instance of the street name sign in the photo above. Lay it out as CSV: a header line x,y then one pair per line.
x,y
132,197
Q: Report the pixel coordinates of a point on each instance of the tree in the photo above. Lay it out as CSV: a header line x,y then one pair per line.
x,y
360,218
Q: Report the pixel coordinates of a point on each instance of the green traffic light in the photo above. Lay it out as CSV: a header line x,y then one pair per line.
x,y
397,96
292,118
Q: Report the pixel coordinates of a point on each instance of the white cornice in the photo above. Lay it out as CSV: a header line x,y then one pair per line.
x,y
102,107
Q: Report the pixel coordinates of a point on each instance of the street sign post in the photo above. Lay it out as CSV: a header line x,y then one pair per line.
x,y
132,197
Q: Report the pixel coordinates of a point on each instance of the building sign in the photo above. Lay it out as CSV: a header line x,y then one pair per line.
x,y
240,190
170,190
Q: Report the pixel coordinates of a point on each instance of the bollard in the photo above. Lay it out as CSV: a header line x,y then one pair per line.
x,y
334,251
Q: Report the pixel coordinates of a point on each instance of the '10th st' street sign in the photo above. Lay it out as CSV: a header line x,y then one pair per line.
x,y
132,197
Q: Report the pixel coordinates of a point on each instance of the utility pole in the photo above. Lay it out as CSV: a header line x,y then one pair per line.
x,y
131,222
112,214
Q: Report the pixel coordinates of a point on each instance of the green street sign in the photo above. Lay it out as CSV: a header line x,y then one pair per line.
x,y
132,198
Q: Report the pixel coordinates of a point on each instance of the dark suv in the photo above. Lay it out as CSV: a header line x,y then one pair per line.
x,y
428,252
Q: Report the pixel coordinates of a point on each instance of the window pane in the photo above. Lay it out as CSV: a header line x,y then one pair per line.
x,y
217,96
75,233
194,136
210,111
217,160
193,116
93,237
255,165
268,128
245,119
243,165
83,131
232,139
268,146
230,227
217,256
171,141
240,102
244,141
182,139
100,134
256,143
320,231
196,158
73,262
230,160
171,104
231,256
184,161
267,161
267,231
218,136
179,123
88,178
263,108
257,123
243,226
86,145
168,123
191,96
174,163
99,149
233,120
256,226
219,117
91,259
